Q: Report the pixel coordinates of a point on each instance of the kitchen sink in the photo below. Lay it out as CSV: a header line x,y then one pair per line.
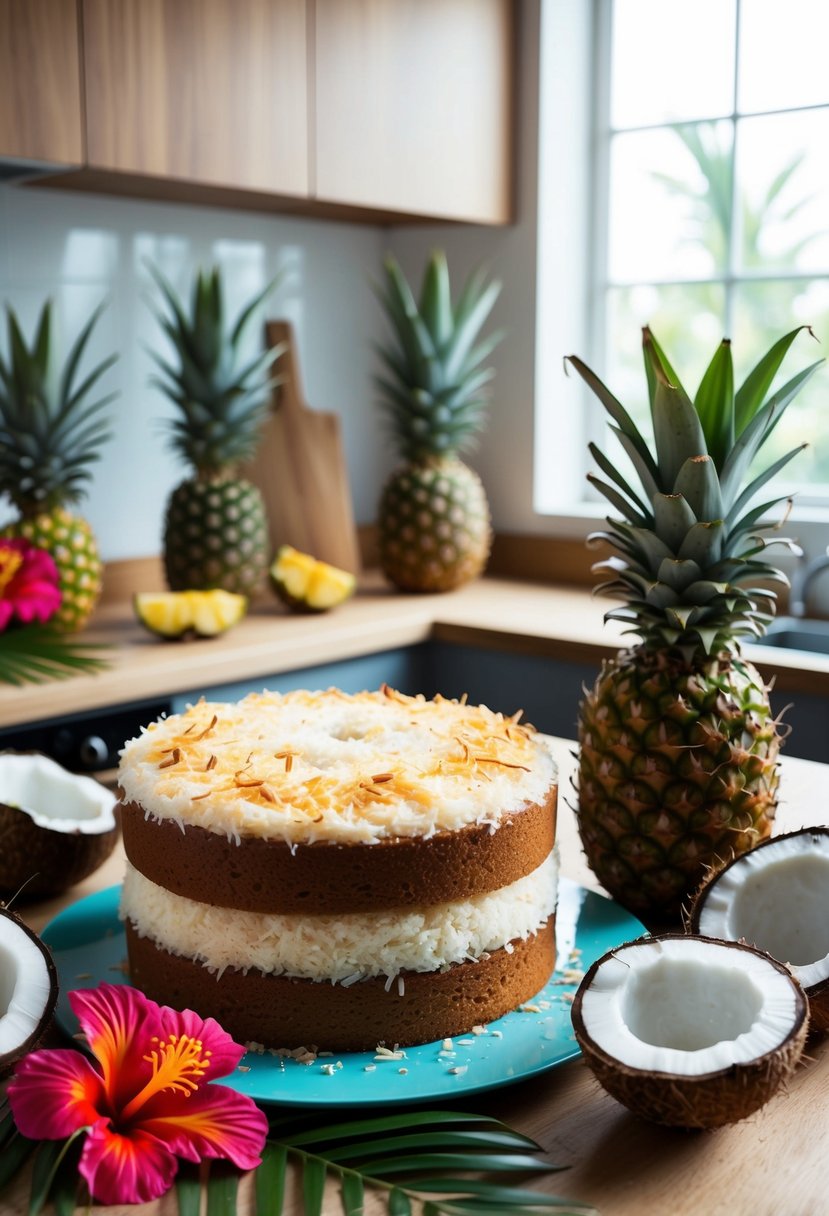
x,y
797,633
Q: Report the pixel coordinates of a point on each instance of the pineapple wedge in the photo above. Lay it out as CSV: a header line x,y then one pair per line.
x,y
172,614
308,585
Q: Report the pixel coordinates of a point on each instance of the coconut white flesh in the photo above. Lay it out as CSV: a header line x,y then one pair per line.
x,y
777,899
687,1007
53,797
25,986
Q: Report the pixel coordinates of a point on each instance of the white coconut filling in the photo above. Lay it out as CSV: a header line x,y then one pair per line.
x,y
25,988
327,766
341,948
777,899
54,798
687,1007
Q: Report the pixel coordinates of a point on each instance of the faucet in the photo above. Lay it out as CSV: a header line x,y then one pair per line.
x,y
802,579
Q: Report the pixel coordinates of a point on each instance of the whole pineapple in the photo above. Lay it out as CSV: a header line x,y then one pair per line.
x,y
434,518
678,747
215,528
50,434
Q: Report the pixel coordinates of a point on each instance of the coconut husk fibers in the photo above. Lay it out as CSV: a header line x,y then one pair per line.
x,y
47,860
707,1101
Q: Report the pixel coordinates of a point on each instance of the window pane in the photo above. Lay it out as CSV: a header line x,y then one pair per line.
x,y
687,322
763,312
783,54
671,62
670,200
783,175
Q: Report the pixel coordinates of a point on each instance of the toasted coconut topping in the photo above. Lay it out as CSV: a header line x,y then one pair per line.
x,y
330,766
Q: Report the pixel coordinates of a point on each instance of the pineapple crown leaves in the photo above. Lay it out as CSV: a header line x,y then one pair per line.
x,y
221,400
50,433
435,385
689,561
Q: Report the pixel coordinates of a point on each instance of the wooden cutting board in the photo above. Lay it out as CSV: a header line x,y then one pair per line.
x,y
300,468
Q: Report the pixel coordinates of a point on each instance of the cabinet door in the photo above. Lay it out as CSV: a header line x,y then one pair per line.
x,y
40,95
209,91
413,106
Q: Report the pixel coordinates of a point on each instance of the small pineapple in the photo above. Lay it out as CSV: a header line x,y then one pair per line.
x,y
435,531
215,530
50,434
679,749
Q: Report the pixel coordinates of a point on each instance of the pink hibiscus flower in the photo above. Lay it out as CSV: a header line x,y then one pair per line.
x,y
146,1103
28,583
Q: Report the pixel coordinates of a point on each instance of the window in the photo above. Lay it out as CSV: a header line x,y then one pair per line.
x,y
710,188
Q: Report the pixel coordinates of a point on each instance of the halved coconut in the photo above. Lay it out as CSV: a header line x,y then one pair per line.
x,y
777,898
55,827
28,989
690,1031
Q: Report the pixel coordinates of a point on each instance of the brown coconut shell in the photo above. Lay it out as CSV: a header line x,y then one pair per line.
x,y
10,922
711,1099
47,860
818,994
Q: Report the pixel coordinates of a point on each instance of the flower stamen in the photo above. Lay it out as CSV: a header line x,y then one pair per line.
x,y
178,1065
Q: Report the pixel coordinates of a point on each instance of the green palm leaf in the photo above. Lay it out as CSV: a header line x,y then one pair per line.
x,y
188,1191
35,653
353,1193
222,1190
269,1184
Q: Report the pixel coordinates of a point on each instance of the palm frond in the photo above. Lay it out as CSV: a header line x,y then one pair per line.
x,y
416,1169
36,653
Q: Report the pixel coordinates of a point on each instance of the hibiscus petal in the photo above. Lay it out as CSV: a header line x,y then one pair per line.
x,y
126,1169
213,1122
225,1054
119,1023
54,1093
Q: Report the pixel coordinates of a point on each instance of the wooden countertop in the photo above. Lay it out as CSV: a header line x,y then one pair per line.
x,y
508,615
773,1164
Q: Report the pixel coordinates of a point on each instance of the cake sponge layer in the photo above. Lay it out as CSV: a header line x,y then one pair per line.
x,y
341,948
258,875
328,766
283,1012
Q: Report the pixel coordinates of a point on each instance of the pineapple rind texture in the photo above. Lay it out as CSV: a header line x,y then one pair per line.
x,y
71,542
435,530
216,536
51,434
677,766
678,772
434,387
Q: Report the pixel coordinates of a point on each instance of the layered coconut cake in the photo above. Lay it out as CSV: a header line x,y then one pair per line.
x,y
340,870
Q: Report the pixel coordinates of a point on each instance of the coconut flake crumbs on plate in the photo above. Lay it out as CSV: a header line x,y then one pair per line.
x,y
497,1034
369,1068
447,1044
243,1068
403,1071
459,1070
529,1007
328,1069
84,975
465,1043
385,1054
480,1030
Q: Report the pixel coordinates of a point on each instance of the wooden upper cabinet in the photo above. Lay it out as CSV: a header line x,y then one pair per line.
x,y
207,91
40,94
413,106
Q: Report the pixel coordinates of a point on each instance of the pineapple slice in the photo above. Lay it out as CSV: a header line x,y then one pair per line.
x,y
172,614
307,585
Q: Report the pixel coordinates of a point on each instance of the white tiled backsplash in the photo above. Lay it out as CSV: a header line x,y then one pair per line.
x,y
80,249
